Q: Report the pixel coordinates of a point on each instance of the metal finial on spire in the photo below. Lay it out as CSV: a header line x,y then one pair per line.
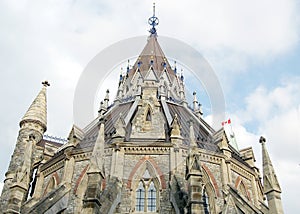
x,y
107,95
153,21
175,68
121,75
46,83
164,63
128,69
262,139
181,77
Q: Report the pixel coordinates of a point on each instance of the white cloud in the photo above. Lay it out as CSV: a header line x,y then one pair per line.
x,y
263,105
251,27
56,39
276,115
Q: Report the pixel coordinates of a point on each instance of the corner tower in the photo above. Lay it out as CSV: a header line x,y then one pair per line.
x,y
19,174
271,185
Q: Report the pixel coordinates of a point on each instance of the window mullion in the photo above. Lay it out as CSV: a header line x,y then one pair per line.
x,y
146,199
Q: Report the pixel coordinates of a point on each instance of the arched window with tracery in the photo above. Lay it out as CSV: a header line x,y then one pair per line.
x,y
146,194
140,197
151,197
205,199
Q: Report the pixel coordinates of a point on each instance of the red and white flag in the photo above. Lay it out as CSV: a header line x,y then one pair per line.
x,y
226,122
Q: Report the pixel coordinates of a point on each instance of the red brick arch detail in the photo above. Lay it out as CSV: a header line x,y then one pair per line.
x,y
80,178
103,184
57,180
238,182
55,175
212,178
154,164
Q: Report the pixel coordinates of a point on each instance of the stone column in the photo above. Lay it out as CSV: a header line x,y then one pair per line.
x,y
69,167
117,163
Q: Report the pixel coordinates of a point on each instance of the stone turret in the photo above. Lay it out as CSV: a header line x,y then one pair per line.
x,y
18,177
271,185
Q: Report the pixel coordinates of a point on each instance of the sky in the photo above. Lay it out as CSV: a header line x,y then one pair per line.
x,y
253,47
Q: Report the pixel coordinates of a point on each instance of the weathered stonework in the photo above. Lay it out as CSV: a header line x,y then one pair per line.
x,y
146,153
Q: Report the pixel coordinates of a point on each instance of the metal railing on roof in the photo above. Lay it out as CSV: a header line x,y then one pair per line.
x,y
54,139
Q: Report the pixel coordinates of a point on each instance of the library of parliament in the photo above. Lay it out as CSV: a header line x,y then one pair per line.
x,y
147,151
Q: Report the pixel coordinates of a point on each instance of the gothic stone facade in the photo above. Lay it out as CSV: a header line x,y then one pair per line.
x,y
147,152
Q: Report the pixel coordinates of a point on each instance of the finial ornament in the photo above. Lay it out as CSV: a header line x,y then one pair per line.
x,y
153,21
128,63
262,139
46,83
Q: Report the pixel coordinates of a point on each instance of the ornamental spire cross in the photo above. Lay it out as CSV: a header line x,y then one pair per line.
x,y
46,83
153,21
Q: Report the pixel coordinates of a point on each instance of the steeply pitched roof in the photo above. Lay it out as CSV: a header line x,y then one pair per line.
x,y
202,135
110,118
38,109
152,55
269,176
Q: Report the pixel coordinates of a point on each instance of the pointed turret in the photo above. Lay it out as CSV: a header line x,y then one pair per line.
x,y
37,112
195,101
19,174
106,99
271,185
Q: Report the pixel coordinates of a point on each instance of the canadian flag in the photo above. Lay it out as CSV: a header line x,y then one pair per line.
x,y
226,122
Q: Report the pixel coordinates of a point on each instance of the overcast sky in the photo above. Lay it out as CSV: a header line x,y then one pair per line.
x,y
253,46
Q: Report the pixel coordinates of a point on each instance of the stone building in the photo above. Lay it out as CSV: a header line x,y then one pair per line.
x,y
146,152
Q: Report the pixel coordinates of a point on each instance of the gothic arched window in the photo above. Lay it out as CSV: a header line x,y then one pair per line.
x,y
146,194
151,197
205,199
140,197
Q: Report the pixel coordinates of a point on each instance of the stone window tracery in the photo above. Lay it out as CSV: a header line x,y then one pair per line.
x,y
146,194
140,197
151,197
